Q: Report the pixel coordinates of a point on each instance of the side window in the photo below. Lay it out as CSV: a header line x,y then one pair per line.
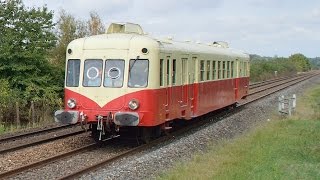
x,y
224,70
167,72
161,72
73,73
208,70
92,73
174,63
228,69
113,74
232,69
138,73
214,70
219,69
202,70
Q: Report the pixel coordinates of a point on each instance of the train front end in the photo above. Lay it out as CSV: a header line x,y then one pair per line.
x,y
109,83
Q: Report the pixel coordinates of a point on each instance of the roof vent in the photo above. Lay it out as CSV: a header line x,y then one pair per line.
x,y
220,44
124,28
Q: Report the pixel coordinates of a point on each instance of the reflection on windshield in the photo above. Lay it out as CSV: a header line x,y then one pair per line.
x,y
92,73
138,75
113,74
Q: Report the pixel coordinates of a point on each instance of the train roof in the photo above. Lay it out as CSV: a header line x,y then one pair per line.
x,y
120,36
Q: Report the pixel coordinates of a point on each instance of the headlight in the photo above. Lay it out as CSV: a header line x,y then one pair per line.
x,y
134,104
71,103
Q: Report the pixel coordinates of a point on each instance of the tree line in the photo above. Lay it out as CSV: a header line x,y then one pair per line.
x,y
263,68
32,59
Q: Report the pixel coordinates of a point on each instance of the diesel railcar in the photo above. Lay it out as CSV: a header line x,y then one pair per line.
x,y
126,79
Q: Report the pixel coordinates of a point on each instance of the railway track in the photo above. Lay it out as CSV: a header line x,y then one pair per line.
x,y
272,81
252,97
21,141
29,143
33,133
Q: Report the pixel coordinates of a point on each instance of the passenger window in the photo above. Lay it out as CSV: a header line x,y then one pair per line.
x,y
208,70
113,74
73,73
173,72
202,70
161,72
168,70
219,69
228,69
224,69
92,73
214,70
138,73
232,69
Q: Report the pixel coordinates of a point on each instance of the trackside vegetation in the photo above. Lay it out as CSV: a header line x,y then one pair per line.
x,y
32,61
279,149
263,68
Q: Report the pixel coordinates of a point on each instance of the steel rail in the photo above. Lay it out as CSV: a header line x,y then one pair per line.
x,y
270,87
34,132
14,148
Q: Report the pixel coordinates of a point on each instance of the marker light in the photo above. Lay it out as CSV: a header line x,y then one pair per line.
x,y
133,104
71,103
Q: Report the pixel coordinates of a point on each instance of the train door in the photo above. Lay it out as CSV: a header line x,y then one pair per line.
x,y
168,82
191,80
184,81
236,79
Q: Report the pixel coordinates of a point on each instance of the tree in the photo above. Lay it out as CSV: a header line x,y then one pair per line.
x,y
95,24
67,30
26,37
301,62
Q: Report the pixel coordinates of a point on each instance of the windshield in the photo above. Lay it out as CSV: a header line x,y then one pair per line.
x,y
138,73
73,72
92,73
113,74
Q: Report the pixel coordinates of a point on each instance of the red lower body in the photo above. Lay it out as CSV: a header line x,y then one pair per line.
x,y
158,106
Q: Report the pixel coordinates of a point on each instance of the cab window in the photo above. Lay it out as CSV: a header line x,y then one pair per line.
x,y
73,73
138,73
92,73
113,74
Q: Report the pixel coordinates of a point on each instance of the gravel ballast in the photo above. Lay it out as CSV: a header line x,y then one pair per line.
x,y
149,164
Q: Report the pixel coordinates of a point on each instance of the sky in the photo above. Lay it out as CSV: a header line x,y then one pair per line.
x,y
263,27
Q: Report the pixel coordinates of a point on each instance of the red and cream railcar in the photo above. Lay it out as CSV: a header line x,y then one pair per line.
x,y
125,78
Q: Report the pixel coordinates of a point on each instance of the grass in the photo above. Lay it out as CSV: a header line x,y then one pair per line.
x,y
279,149
2,129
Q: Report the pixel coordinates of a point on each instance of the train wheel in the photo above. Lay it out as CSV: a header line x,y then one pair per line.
x,y
146,134
95,133
149,133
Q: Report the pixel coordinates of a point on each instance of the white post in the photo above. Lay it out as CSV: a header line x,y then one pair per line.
x,y
294,101
280,105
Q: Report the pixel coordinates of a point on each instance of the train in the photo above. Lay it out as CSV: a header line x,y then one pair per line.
x,y
126,80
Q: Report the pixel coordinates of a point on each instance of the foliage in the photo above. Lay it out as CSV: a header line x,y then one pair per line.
x,y
26,37
95,24
301,62
315,62
69,28
263,68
